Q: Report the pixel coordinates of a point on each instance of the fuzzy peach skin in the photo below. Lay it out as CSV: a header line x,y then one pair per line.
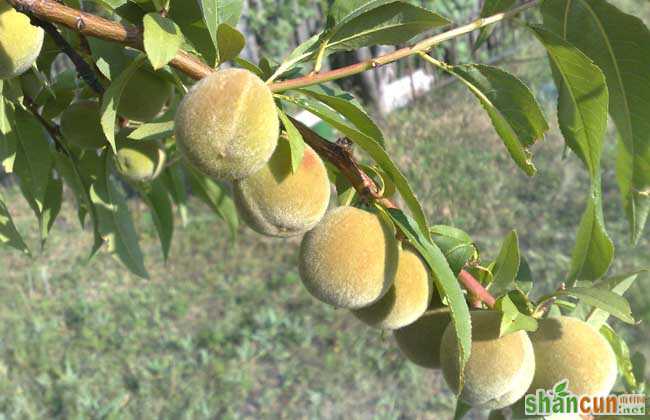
x,y
139,161
420,341
20,42
81,126
275,201
227,125
349,259
569,348
499,370
406,300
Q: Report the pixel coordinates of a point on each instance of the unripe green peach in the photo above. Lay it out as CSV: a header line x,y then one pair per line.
x,y
407,298
420,341
350,258
227,125
275,201
80,125
144,96
20,42
499,370
139,161
569,348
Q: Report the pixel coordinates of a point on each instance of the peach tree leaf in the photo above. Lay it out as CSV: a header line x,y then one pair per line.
x,y
619,44
162,39
512,108
9,235
446,283
115,223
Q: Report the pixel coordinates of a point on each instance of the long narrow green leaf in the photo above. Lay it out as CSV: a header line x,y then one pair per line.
x,y
51,206
111,100
68,169
446,283
188,16
582,101
215,196
115,224
296,142
617,284
582,114
7,136
594,251
620,45
9,235
622,352
157,198
506,266
153,131
514,112
343,11
230,42
392,23
346,107
33,163
604,299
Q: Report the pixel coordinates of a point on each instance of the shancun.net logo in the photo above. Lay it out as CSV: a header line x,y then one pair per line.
x,y
560,400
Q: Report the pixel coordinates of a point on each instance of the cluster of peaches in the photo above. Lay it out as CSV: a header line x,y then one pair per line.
x,y
350,258
227,127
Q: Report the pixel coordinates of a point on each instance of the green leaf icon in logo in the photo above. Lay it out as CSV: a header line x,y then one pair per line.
x,y
559,390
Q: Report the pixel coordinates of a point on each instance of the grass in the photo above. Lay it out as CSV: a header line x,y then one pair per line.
x,y
226,330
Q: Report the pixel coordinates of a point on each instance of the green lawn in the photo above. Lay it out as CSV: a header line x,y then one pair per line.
x,y
226,330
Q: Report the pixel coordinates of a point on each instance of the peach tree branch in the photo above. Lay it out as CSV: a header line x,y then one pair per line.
x,y
339,155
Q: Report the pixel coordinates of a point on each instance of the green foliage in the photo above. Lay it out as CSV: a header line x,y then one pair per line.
x,y
606,300
491,7
111,100
619,44
372,147
376,22
296,142
512,108
9,235
162,39
115,223
445,281
458,247
582,115
231,330
506,266
593,75
216,12
157,198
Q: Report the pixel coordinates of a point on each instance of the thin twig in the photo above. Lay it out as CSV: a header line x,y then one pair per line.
x,y
422,46
51,128
84,70
95,26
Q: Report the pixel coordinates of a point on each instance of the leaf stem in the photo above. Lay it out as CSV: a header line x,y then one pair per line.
x,y
321,55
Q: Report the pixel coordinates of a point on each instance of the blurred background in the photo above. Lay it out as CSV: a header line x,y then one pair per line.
x,y
224,329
